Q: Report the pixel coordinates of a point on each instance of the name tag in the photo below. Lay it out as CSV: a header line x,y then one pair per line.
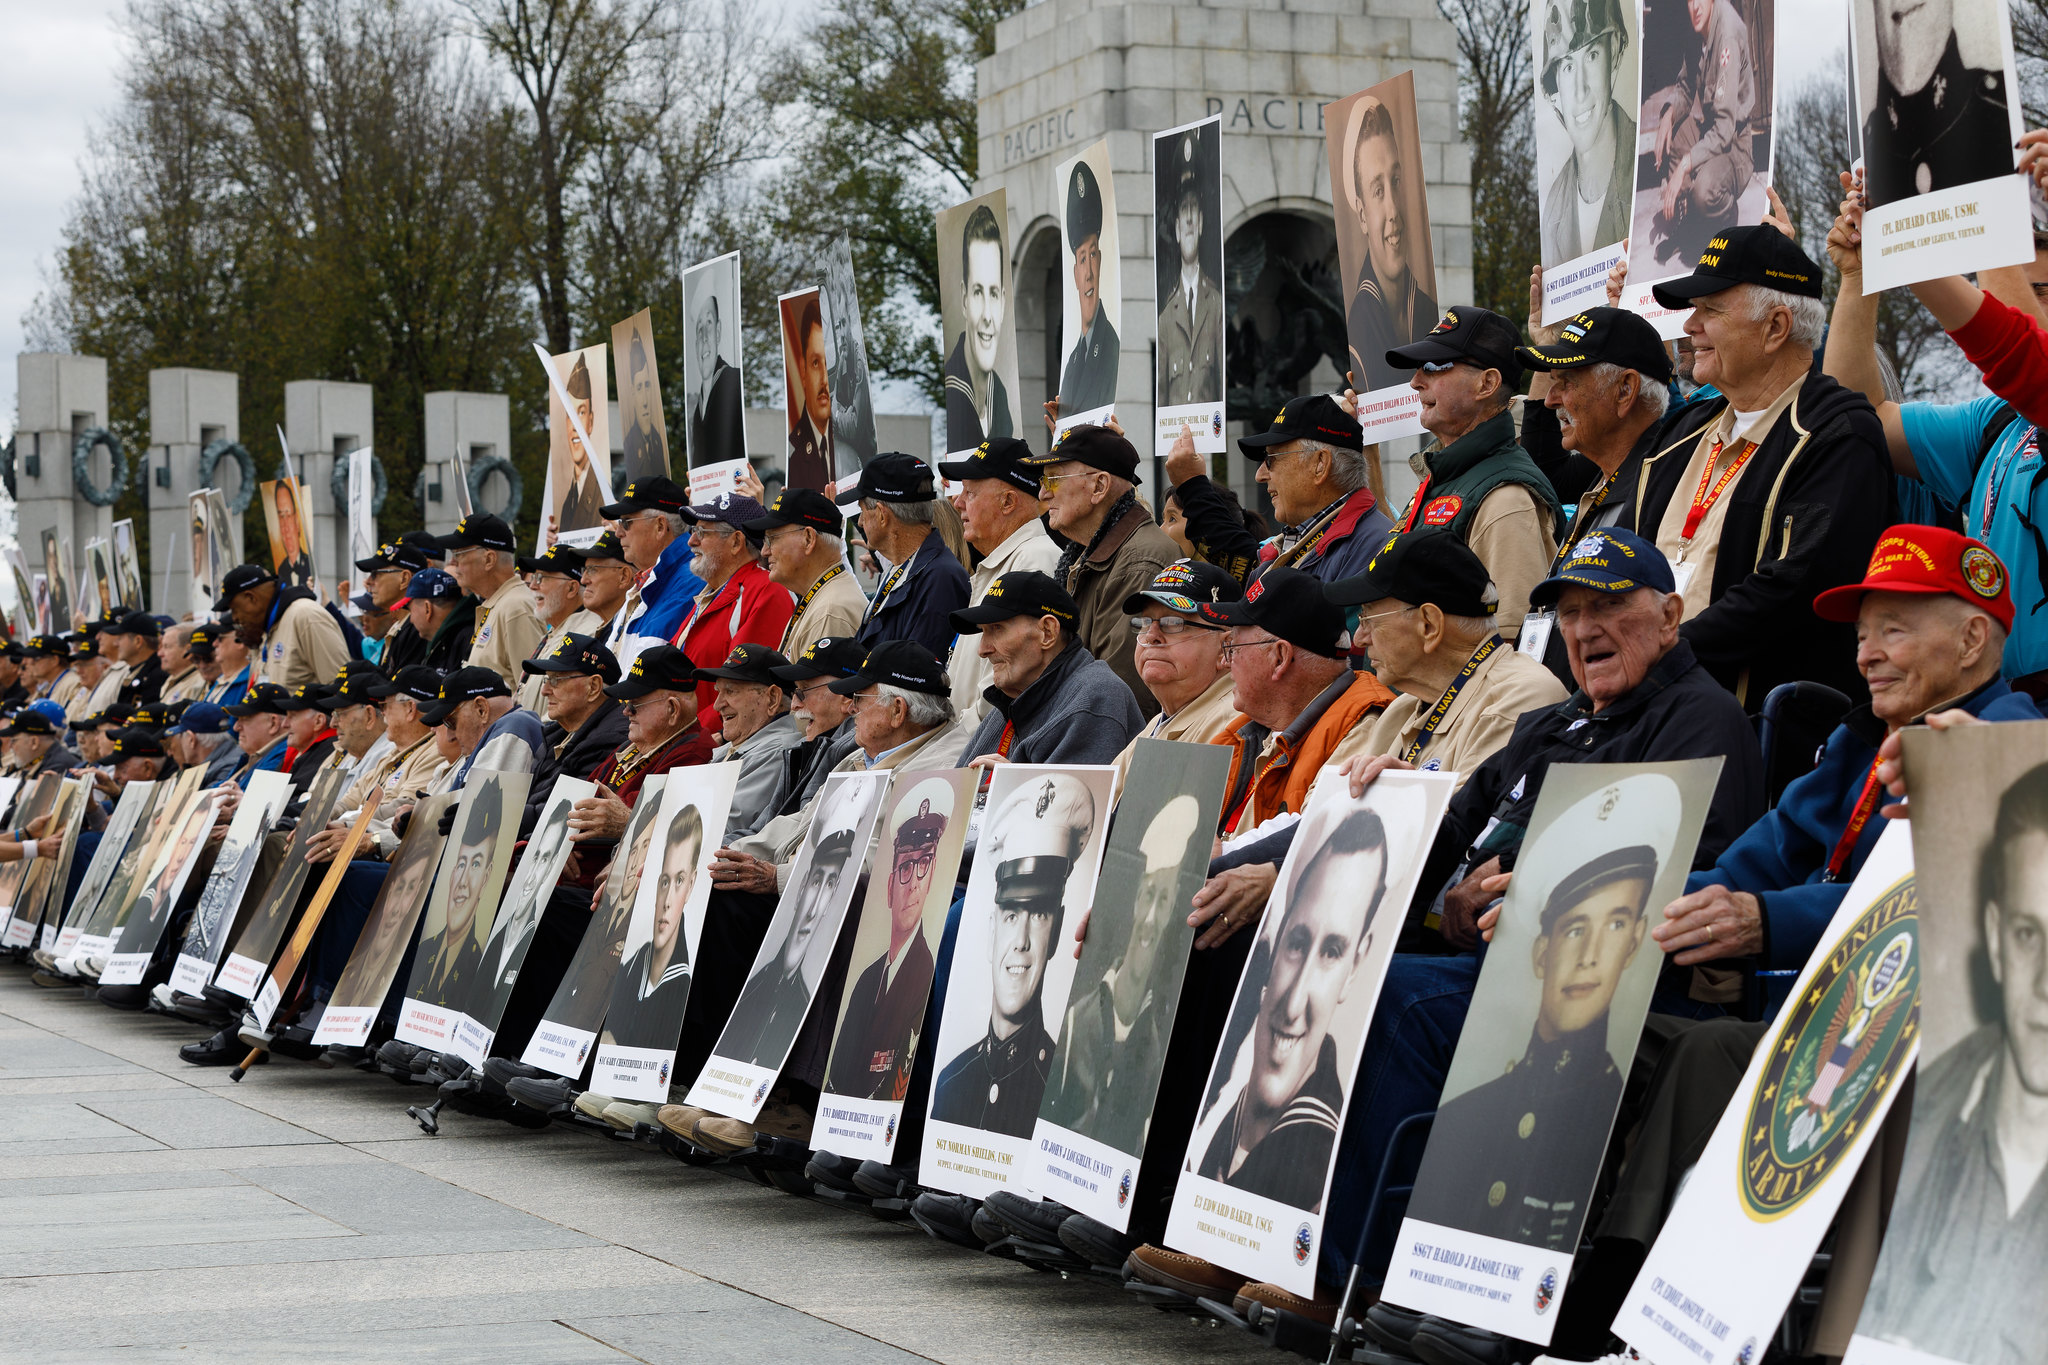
x,y
1535,636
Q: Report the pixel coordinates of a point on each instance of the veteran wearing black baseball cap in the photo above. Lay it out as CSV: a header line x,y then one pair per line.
x,y
292,639
999,516
756,730
803,543
1049,694
483,557
659,698
899,510
901,701
607,575
1313,463
1180,654
477,706
814,707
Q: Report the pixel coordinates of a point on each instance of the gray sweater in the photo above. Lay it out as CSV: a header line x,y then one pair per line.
x,y
1078,711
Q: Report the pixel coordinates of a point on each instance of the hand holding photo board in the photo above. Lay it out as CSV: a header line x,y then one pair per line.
x,y
213,923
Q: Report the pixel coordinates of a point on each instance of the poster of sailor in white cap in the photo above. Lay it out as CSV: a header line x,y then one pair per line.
x,y
794,952
1112,1043
895,946
636,1052
1091,293
1531,1095
1013,967
1256,1175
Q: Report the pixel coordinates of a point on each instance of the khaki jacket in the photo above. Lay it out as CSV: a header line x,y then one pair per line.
x,y
1200,721
303,648
836,610
186,686
526,689
1479,722
1030,547
508,630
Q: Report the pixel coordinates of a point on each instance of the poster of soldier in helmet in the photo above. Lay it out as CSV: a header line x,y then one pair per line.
x,y
1585,57
1533,1088
1938,97
1091,287
1033,879
789,969
1098,1101
1709,87
643,452
1383,246
1256,1175
880,1014
578,483
1187,214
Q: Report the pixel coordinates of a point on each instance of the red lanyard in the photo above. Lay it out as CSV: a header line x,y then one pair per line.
x,y
1703,499
1415,504
1866,806
1009,737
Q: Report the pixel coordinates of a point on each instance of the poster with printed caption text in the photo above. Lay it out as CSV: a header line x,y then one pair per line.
x,y
129,811
1530,1098
978,324
713,389
164,883
257,942
462,905
1745,1226
1255,1180
1187,216
380,946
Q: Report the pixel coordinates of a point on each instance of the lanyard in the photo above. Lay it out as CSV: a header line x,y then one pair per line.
x,y
1589,507
1236,811
1009,737
805,600
1703,498
889,585
1312,532
1415,504
1435,719
1996,482
1866,806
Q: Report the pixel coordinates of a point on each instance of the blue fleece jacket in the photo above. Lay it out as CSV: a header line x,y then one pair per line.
x,y
668,594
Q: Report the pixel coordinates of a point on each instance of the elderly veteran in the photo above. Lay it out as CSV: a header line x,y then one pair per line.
x,y
899,508
102,670
754,704
181,671
133,641
740,604
46,666
556,581
204,737
293,642
386,576
650,531
584,725
1313,463
999,516
1112,547
659,698
1181,657
35,742
1052,700
803,545
826,718
1426,617
260,730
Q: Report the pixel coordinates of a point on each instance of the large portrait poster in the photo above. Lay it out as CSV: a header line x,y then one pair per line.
x,y
787,971
51,883
1938,95
57,568
460,908
199,511
568,1028
1252,1189
1743,1231
128,565
257,941
1709,88
291,545
380,947
39,800
111,915
362,507
1119,1017
577,484
1187,213
1586,59
806,389
25,620
1959,1277
99,556
213,923
644,448
1383,246
163,883
978,327
1091,287
880,1014
854,442
137,800
637,1050
712,387
1033,878
1501,1196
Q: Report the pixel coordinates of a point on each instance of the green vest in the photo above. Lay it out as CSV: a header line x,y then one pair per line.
x,y
1462,473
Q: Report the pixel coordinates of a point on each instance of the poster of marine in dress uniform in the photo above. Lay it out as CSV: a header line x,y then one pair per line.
x,y
1187,215
1091,287
1112,1043
1256,1175
1585,121
1383,246
880,1014
978,324
1035,864
1959,1277
467,887
1537,1078
1744,1228
1938,95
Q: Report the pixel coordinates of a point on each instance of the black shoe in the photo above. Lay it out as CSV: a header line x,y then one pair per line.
x,y
551,1095
1442,1342
877,1181
1035,1220
397,1055
125,997
503,1069
948,1217
833,1171
985,1229
1393,1328
1094,1242
222,1049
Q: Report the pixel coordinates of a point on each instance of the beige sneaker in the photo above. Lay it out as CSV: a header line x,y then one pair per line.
x,y
724,1136
680,1119
785,1120
592,1105
624,1114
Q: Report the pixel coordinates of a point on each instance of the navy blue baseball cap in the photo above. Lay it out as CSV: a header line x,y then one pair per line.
x,y
202,718
435,585
1609,561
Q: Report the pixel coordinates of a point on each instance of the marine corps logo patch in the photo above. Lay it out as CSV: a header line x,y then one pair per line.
x,y
1840,1051
1983,572
1442,511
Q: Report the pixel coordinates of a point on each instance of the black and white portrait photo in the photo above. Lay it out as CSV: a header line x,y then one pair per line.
x,y
644,447
1187,211
977,325
846,361
1585,118
1382,227
712,394
1091,289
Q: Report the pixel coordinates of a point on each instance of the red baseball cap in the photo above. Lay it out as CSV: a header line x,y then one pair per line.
x,y
1926,559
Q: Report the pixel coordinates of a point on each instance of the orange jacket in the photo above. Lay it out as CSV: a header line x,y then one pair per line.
x,y
1258,793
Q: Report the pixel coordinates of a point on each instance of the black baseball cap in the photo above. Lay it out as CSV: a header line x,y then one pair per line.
x,y
749,664
559,558
1183,586
893,476
464,684
1094,446
1311,417
727,509
156,715
87,648
1466,332
206,633
426,543
1000,457
479,530
306,698
352,688
421,683
394,554
118,714
135,742
580,654
899,663
1423,566
656,494
828,656
799,507
47,647
1610,561
658,668
136,623
28,721
1759,254
1603,336
606,546
262,699
1021,592
1290,605
239,580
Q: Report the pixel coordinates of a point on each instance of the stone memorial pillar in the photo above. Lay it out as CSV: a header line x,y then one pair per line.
x,y
59,397
188,411
480,426
323,421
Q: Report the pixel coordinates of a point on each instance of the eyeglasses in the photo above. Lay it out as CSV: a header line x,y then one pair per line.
x,y
1382,615
1169,627
803,693
637,517
1230,650
1048,483
634,708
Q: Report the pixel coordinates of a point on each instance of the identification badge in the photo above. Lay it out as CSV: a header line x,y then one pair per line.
x,y
1535,636
1681,575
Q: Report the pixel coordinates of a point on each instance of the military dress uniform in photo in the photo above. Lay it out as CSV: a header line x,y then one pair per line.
x,y
772,1006
1290,1162
885,1008
1191,317
1951,131
1089,379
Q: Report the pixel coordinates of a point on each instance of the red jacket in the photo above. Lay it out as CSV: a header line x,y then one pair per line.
x,y
749,609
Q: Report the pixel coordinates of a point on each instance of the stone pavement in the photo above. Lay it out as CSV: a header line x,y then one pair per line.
x,y
151,1210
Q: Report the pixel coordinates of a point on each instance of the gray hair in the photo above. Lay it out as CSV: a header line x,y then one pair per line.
x,y
1809,316
922,709
1347,467
678,524
913,513
506,559
1651,396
